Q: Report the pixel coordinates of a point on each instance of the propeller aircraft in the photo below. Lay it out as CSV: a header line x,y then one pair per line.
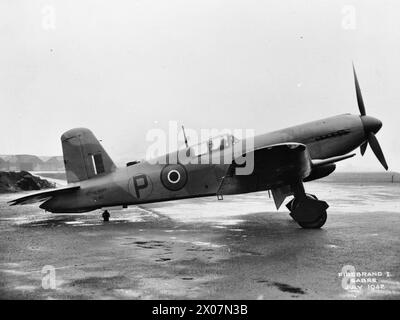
x,y
282,161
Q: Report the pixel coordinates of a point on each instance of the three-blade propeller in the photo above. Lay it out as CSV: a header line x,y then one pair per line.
x,y
371,126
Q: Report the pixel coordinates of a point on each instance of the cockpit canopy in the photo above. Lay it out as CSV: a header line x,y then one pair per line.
x,y
213,144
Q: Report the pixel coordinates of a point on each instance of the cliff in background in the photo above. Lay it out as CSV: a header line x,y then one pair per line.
x,y
22,181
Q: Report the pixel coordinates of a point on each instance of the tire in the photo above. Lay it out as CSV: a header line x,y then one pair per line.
x,y
314,224
106,216
295,201
318,223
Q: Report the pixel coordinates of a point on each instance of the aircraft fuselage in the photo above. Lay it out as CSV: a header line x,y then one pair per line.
x,y
146,182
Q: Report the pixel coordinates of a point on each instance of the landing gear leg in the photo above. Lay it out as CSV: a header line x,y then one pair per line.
x,y
306,209
106,216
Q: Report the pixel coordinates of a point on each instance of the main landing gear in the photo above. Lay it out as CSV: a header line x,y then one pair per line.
x,y
306,209
106,216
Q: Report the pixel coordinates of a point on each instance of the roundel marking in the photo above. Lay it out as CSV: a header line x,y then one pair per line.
x,y
173,177
140,186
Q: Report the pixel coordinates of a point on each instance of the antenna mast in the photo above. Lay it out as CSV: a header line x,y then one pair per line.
x,y
184,135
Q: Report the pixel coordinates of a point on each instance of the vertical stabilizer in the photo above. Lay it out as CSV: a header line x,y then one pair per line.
x,y
84,156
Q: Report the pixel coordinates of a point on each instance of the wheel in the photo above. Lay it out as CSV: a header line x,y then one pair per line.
x,y
292,205
106,216
315,224
308,212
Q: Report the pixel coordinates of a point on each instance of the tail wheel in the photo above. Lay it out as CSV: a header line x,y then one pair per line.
x,y
106,216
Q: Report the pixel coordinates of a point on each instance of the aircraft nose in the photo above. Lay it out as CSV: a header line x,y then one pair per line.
x,y
371,124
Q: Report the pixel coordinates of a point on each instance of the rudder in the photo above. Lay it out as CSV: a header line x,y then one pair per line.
x,y
84,156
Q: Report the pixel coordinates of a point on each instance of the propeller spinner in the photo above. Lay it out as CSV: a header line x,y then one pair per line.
x,y
371,126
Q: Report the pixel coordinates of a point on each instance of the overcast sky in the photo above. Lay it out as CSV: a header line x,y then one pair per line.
x,y
121,68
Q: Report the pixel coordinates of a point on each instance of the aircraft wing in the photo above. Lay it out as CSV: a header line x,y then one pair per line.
x,y
42,196
275,168
285,162
280,163
266,168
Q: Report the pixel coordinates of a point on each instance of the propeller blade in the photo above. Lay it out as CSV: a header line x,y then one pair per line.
x,y
360,101
363,147
376,148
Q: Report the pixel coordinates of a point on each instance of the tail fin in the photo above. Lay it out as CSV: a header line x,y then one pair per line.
x,y
84,157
